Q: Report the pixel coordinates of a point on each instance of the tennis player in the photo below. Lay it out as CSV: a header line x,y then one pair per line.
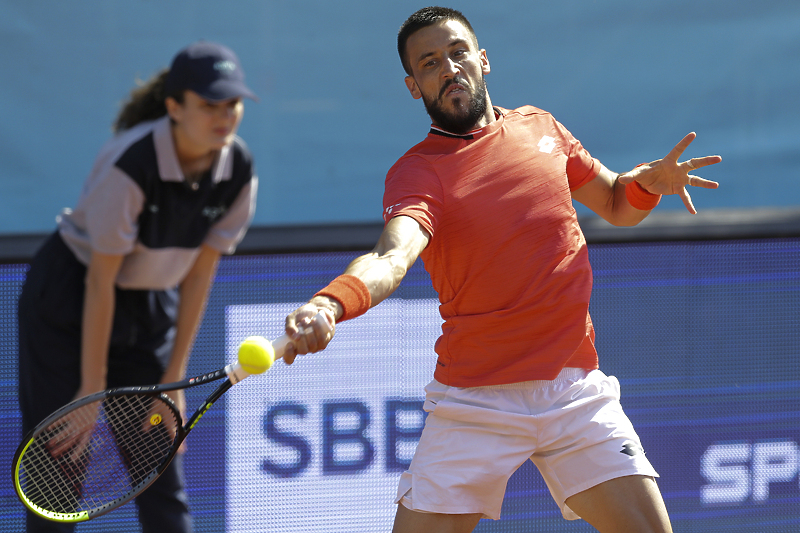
x,y
486,201
116,294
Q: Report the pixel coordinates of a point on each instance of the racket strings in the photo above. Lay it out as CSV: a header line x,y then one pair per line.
x,y
97,453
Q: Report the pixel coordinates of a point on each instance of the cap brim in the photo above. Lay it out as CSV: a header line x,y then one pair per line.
x,y
222,90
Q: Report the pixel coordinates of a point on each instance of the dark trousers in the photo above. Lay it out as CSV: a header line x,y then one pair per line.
x,y
50,316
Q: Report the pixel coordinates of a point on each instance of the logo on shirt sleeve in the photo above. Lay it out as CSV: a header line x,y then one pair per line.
x,y
546,144
388,211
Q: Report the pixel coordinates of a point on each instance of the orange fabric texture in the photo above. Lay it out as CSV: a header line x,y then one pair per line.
x,y
506,254
640,198
351,293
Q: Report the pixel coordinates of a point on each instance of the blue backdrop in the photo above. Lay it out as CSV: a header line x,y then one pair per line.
x,y
629,78
702,335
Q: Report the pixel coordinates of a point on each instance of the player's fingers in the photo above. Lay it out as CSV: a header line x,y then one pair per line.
x,y
697,181
323,331
310,328
323,324
78,449
296,319
313,336
291,324
626,178
69,440
58,445
299,346
289,353
61,431
687,201
707,160
699,162
315,332
327,314
64,439
676,152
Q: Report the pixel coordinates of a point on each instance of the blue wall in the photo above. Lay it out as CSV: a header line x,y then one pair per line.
x,y
702,336
629,78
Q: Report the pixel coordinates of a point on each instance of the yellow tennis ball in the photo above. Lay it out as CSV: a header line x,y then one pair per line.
x,y
256,355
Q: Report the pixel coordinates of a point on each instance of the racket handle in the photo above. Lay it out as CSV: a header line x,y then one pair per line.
x,y
235,371
280,344
256,355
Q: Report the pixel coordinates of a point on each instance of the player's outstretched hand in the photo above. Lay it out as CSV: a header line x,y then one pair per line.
x,y
311,328
668,176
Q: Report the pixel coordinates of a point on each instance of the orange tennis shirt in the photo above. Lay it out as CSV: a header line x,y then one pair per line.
x,y
506,256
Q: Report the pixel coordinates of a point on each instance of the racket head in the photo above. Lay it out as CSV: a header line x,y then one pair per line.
x,y
96,454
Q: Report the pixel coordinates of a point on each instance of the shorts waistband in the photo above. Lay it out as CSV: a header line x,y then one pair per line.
x,y
567,373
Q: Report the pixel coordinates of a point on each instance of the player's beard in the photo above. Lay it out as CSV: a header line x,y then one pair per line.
x,y
466,115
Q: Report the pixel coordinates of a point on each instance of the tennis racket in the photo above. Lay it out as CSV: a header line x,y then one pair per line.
x,y
100,451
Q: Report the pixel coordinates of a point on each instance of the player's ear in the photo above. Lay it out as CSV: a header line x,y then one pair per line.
x,y
173,108
413,88
485,67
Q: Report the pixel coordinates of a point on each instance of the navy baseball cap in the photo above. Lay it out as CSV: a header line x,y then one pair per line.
x,y
211,70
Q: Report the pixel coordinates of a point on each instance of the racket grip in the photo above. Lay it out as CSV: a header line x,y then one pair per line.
x,y
280,344
235,371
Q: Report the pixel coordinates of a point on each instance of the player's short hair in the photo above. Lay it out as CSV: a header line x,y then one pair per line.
x,y
427,16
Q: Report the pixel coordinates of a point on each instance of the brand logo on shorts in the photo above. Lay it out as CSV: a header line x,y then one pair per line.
x,y
632,449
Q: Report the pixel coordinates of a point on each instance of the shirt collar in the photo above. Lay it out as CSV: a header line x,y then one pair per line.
x,y
474,134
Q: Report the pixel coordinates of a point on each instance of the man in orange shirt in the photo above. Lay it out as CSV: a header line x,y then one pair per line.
x,y
486,201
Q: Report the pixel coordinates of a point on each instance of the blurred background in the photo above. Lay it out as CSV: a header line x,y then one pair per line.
x,y
696,315
628,78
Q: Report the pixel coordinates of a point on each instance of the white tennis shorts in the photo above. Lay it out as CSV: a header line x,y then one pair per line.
x,y
572,428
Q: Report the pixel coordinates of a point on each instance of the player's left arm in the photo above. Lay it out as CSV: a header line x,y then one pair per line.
x,y
606,194
193,297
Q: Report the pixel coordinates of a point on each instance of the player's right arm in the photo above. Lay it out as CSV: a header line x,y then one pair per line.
x,y
98,317
402,241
